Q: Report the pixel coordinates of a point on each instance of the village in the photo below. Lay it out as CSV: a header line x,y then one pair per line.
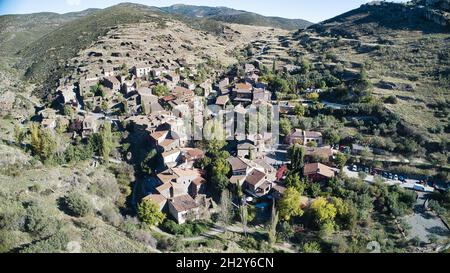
x,y
158,100
165,103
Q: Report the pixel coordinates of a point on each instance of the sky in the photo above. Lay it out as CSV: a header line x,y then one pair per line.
x,y
311,10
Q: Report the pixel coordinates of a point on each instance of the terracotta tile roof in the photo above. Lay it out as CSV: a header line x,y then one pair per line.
x,y
164,187
194,153
318,168
237,163
244,86
156,198
167,142
236,178
223,100
313,134
324,151
159,134
255,177
187,172
183,203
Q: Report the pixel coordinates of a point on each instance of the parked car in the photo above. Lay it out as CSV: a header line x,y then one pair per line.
x,y
395,177
402,178
391,176
366,170
419,187
355,168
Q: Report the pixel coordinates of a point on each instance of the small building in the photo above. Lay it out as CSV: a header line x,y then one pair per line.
x,y
318,172
183,208
91,125
173,77
142,70
188,84
302,137
256,184
242,93
247,149
222,101
112,83
67,93
320,154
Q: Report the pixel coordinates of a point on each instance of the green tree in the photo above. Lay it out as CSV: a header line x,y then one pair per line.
x,y
106,141
305,66
299,110
324,213
226,208
293,180
297,156
290,205
285,126
340,160
68,111
43,143
149,213
273,225
161,90
331,137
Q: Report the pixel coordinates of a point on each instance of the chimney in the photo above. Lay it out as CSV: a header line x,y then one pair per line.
x,y
172,193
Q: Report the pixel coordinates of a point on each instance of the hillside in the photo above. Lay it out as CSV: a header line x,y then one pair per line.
x,y
18,31
405,55
44,61
236,16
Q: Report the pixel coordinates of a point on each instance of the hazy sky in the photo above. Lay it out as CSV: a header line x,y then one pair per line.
x,y
312,10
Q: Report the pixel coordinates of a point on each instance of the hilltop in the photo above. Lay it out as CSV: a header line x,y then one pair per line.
x,y
229,15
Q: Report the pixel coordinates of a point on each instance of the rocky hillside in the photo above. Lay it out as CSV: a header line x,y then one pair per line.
x,y
403,51
236,16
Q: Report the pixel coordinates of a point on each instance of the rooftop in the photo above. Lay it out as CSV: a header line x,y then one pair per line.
x,y
255,177
318,168
183,203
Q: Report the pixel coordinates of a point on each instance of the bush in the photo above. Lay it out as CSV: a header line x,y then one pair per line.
x,y
54,244
312,247
38,223
111,215
188,229
144,237
78,205
391,100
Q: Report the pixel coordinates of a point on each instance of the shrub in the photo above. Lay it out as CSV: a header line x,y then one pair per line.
x,y
111,215
77,204
391,100
312,247
188,229
54,244
38,223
